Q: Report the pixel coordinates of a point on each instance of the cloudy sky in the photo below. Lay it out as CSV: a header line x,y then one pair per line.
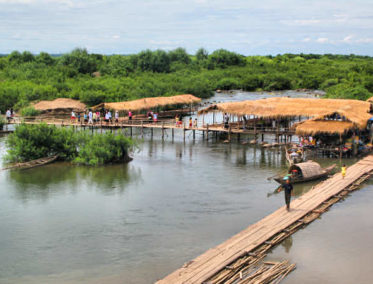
x,y
247,26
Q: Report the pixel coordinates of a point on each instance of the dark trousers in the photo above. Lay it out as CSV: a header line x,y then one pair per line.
x,y
287,199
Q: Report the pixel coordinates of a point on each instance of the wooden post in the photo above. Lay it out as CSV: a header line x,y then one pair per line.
x,y
162,129
262,137
194,134
130,131
207,132
172,133
238,137
142,128
229,132
151,132
184,131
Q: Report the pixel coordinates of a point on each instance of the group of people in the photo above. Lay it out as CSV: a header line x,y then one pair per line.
x,y
152,116
179,121
93,117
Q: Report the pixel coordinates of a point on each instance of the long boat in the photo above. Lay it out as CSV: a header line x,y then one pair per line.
x,y
32,164
307,171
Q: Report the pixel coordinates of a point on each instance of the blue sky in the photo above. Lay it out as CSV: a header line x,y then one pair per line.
x,y
249,27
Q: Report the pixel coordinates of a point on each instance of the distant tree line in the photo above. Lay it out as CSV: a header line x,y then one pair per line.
x,y
94,78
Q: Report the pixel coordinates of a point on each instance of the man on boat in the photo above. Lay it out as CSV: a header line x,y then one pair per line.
x,y
288,188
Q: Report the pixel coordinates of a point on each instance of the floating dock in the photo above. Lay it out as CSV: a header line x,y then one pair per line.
x,y
225,262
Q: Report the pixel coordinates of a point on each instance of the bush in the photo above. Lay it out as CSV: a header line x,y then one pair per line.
x,y
228,84
30,142
99,149
2,122
29,111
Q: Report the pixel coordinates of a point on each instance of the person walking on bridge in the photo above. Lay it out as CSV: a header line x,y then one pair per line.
x,y
288,188
343,171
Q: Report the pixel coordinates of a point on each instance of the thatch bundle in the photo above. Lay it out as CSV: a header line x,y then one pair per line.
x,y
313,127
150,103
308,169
354,111
61,104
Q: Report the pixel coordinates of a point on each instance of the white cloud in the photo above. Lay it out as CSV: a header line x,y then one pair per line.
x,y
348,39
116,36
322,40
307,39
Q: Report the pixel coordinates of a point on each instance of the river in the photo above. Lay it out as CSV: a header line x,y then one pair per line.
x,y
136,223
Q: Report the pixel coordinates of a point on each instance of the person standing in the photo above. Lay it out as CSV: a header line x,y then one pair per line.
x,y
90,117
129,115
8,115
288,188
343,171
116,116
226,121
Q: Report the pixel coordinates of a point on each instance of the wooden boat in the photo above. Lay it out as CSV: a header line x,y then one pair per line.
x,y
306,171
33,163
293,160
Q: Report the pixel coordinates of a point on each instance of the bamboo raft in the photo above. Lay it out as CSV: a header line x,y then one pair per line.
x,y
32,164
225,262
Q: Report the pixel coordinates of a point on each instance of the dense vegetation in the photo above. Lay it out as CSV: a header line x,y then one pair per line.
x,y
2,122
30,142
94,78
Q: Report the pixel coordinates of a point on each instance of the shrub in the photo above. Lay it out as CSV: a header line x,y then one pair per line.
x,y
29,111
2,122
99,149
30,142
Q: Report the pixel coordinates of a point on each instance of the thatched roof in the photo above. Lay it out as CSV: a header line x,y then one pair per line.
x,y
353,110
312,127
150,103
60,104
308,169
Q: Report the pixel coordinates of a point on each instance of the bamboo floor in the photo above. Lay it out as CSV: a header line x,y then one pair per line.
x,y
225,262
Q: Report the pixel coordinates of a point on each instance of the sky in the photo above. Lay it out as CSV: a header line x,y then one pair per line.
x,y
259,27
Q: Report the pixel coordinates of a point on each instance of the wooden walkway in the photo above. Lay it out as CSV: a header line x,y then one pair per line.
x,y
205,266
279,133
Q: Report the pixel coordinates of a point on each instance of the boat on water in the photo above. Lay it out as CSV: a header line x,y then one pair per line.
x,y
32,164
303,172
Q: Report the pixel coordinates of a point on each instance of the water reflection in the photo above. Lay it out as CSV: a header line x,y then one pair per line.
x,y
287,244
40,184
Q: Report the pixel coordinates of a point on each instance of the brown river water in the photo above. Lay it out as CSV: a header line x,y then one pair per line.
x,y
136,223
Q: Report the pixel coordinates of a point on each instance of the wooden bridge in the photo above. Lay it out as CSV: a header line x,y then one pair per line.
x,y
225,262
280,134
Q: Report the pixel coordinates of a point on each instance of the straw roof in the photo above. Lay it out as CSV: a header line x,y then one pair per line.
x,y
355,111
60,104
150,103
308,169
312,127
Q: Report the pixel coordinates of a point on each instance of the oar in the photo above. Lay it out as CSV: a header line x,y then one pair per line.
x,y
274,192
269,178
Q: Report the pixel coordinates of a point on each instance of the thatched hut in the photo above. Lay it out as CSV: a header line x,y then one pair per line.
x,y
315,127
353,111
60,105
150,103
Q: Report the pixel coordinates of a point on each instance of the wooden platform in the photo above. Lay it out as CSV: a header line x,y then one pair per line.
x,y
212,261
169,124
